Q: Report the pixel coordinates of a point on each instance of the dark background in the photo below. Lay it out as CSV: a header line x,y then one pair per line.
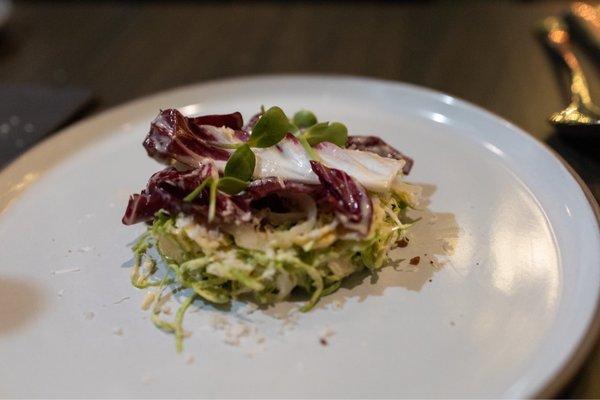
x,y
484,52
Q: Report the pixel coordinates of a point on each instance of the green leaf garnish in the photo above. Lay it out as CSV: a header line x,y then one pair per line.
x,y
304,119
197,191
212,202
270,128
241,164
333,132
231,185
312,154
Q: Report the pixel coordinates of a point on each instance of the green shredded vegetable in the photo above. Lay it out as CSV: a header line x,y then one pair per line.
x,y
214,268
179,333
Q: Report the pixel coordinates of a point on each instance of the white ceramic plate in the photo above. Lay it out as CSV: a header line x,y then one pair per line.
x,y
509,313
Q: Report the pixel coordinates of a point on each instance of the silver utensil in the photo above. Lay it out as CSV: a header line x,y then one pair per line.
x,y
581,115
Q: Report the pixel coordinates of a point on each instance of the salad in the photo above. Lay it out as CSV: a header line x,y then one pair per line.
x,y
259,210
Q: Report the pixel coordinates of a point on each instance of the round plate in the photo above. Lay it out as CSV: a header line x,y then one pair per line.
x,y
501,304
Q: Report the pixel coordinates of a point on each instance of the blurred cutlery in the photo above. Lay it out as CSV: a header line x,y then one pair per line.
x,y
587,19
581,115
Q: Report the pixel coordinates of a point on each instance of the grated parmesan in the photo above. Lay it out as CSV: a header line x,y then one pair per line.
x,y
65,271
148,300
190,360
235,333
337,304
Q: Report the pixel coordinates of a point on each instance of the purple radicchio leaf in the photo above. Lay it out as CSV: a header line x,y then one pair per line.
x,y
264,187
348,199
252,121
166,190
201,126
242,135
274,193
233,121
378,146
172,137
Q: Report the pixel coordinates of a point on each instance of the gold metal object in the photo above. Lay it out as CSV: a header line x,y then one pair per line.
x,y
587,19
581,112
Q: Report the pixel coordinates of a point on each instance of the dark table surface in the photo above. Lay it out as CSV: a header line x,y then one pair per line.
x,y
484,52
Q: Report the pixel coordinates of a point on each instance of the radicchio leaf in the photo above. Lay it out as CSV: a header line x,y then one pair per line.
x,y
274,193
178,182
172,137
378,146
349,200
204,126
261,188
252,121
163,191
166,190
233,121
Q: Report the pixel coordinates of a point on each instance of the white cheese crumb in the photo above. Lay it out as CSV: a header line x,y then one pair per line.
x,y
65,271
254,350
239,333
327,332
219,322
118,331
260,338
61,292
337,304
250,308
89,315
234,334
85,249
240,330
149,266
289,322
148,300
232,341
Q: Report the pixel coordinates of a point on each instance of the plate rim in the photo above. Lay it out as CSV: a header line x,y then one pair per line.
x,y
556,381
